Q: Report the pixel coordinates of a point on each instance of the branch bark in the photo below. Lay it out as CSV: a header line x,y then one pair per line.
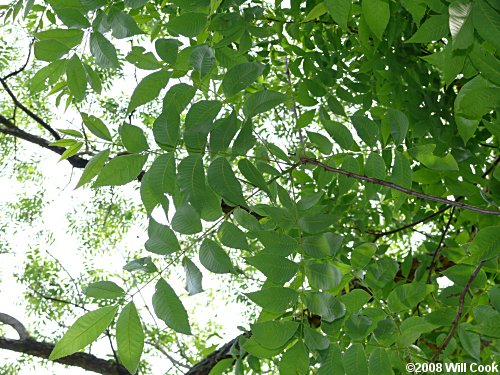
x,y
40,349
390,185
456,321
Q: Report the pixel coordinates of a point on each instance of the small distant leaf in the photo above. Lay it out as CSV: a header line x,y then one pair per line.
x,y
104,289
168,307
85,330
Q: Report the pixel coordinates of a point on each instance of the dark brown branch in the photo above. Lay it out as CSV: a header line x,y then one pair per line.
x,y
26,110
204,367
16,324
461,303
438,247
21,69
390,185
85,361
30,346
10,129
410,225
491,167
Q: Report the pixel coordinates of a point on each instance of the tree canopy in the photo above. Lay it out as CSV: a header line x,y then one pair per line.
x,y
331,165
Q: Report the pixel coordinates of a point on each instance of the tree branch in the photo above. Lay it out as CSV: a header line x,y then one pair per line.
x,y
204,367
461,303
417,194
10,129
30,346
26,110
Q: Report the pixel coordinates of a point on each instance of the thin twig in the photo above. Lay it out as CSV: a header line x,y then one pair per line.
x,y
417,194
16,72
294,105
491,167
461,303
438,247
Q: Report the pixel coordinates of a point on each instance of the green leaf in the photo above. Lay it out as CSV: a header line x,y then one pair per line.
x,y
231,236
375,166
412,328
69,37
277,243
486,22
321,142
96,126
178,97
202,59
103,289
274,334
103,50
129,337
355,300
485,246
50,50
340,134
240,76
274,299
379,362
186,220
276,268
221,178
162,174
476,98
76,77
486,63
214,258
148,89
253,175
188,24
398,124
332,361
315,340
122,24
168,307
85,330
191,180
434,28
295,360
357,326
316,12
133,138
93,168
324,305
407,296
52,72
470,341
323,275
340,10
71,150
262,101
376,14
424,154
363,254
167,49
354,360
223,133
461,28
142,264
166,129
366,128
121,170
221,366
162,239
401,170
193,277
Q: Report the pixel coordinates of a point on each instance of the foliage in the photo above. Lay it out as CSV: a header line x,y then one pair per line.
x,y
305,146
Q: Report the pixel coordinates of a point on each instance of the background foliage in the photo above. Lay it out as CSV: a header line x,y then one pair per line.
x,y
330,160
